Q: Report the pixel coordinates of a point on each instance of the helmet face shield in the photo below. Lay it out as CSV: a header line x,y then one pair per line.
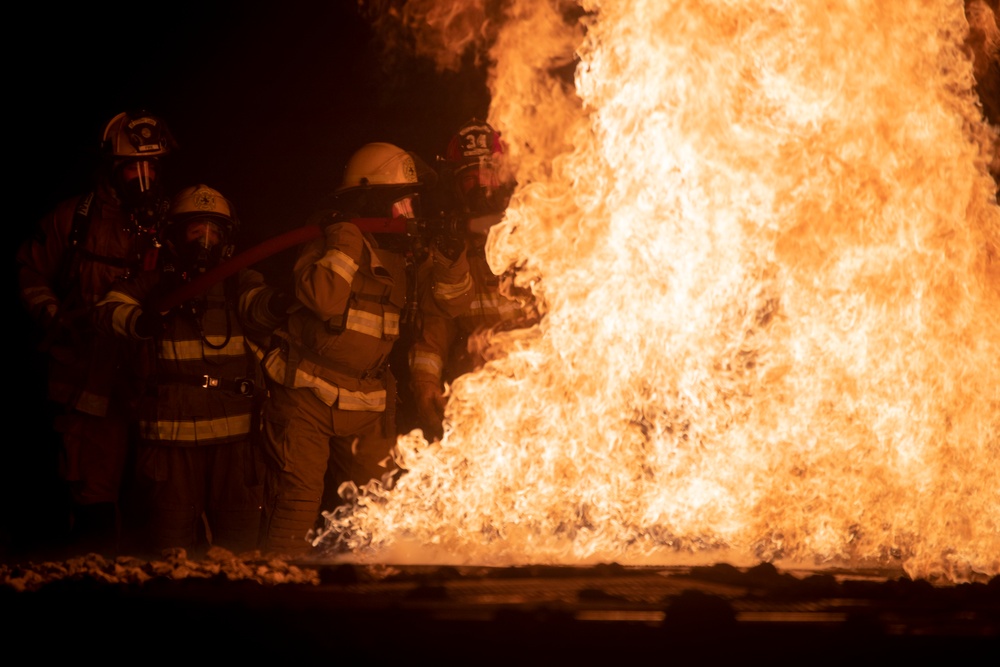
x,y
405,207
136,177
203,233
200,243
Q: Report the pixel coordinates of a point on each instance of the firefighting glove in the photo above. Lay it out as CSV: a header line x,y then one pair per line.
x,y
450,246
430,408
49,317
149,324
279,303
344,237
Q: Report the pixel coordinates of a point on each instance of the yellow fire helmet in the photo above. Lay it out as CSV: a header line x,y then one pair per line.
x,y
379,164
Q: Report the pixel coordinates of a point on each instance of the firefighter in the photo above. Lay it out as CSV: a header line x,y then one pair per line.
x,y
332,396
451,328
78,250
198,461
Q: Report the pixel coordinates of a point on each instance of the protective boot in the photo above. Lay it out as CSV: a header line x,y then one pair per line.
x,y
236,529
285,524
173,526
95,529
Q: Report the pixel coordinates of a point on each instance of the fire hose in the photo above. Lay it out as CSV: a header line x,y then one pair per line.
x,y
265,249
255,254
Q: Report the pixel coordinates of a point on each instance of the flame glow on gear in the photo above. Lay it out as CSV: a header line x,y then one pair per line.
x,y
379,164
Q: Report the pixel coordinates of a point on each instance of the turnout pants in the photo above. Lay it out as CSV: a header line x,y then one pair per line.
x,y
312,448
202,495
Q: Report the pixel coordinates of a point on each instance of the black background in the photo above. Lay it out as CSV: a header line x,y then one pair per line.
x,y
266,100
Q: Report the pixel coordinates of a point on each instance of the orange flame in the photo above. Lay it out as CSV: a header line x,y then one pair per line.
x,y
765,238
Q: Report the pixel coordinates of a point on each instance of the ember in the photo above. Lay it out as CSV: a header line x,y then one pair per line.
x,y
765,238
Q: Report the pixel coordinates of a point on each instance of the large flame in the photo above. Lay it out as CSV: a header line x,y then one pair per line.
x,y
765,236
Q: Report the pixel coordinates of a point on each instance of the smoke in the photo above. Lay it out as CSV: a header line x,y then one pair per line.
x,y
447,33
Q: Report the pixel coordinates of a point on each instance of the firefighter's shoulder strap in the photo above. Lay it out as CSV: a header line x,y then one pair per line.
x,y
79,229
81,220
367,289
83,216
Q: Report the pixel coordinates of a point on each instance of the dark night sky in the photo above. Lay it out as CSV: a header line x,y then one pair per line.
x,y
267,101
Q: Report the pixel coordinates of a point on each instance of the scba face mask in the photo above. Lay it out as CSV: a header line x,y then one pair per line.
x,y
200,228
138,186
202,246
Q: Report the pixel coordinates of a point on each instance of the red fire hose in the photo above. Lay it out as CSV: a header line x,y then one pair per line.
x,y
266,249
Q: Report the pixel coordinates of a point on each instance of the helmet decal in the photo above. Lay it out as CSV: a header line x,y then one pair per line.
x,y
144,134
204,200
475,139
141,134
409,169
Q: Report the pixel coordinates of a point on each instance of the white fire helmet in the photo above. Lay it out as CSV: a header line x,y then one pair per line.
x,y
379,164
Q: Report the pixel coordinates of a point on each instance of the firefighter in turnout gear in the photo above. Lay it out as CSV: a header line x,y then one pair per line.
x,y
79,249
198,459
329,420
452,323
